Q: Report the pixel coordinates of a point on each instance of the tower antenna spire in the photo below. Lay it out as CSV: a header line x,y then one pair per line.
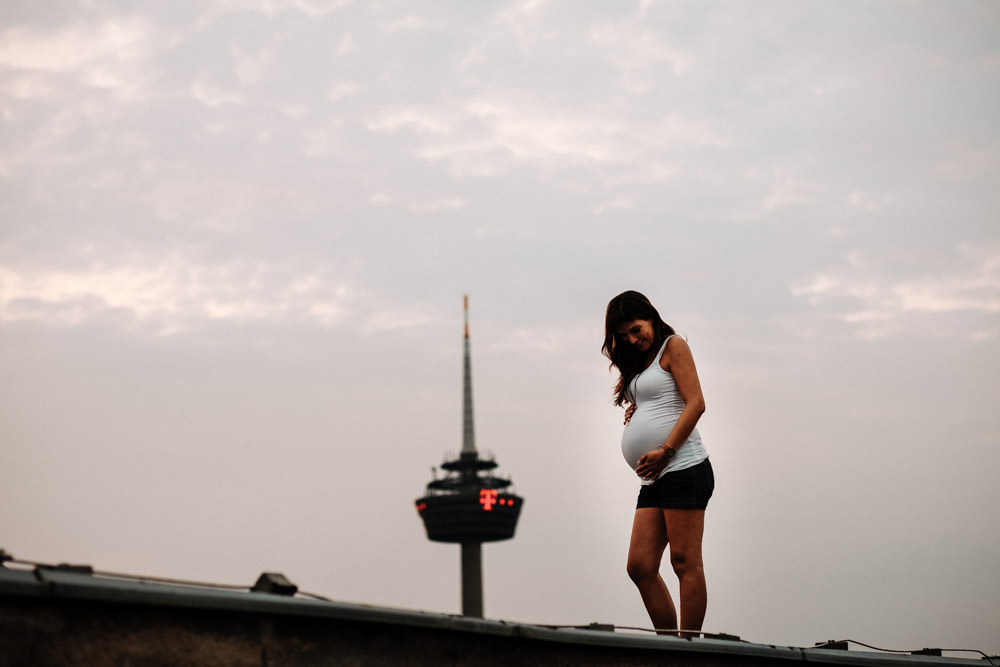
x,y
468,428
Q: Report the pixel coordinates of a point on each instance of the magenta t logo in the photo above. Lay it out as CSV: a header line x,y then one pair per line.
x,y
487,498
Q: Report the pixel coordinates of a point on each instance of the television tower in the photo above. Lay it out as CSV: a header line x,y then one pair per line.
x,y
469,505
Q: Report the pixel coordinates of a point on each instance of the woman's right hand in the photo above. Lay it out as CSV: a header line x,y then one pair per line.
x,y
651,464
628,413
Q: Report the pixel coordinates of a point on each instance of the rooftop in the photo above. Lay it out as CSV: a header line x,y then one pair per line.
x,y
65,612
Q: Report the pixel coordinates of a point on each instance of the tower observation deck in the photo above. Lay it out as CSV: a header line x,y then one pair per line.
x,y
469,505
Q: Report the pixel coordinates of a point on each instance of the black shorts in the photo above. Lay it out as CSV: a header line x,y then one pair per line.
x,y
687,489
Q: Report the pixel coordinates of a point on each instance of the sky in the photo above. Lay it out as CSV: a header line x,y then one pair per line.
x,y
235,237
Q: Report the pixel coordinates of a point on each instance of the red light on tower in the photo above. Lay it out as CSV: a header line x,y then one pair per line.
x,y
488,498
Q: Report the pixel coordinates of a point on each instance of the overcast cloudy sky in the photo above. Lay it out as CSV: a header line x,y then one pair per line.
x,y
234,240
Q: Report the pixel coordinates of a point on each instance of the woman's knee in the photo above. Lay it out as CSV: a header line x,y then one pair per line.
x,y
683,562
642,569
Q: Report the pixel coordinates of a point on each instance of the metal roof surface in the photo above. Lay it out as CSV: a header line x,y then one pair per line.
x,y
81,584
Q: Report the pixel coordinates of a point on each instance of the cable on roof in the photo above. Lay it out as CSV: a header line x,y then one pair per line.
x,y
986,656
86,569
993,660
686,634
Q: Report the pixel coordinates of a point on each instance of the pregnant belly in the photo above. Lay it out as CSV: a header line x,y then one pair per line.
x,y
643,433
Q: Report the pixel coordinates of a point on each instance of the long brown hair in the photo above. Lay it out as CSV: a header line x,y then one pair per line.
x,y
629,361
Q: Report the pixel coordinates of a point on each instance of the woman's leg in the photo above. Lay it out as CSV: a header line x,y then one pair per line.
x,y
645,550
686,528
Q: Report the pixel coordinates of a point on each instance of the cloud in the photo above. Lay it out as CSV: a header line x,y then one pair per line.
x,y
346,45
616,203
174,295
964,161
442,204
421,119
406,24
72,48
787,189
524,22
343,90
492,133
311,8
212,95
394,319
870,202
639,53
106,54
868,295
251,67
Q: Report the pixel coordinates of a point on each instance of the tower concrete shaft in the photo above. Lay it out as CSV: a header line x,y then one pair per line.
x,y
472,579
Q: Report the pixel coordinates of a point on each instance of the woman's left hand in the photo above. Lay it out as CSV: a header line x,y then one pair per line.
x,y
629,411
651,464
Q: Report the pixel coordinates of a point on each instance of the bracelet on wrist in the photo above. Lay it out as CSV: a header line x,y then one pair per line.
x,y
668,450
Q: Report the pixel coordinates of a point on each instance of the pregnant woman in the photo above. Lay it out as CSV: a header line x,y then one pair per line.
x,y
659,383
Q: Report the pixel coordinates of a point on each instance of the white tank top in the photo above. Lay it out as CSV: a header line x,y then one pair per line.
x,y
658,406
